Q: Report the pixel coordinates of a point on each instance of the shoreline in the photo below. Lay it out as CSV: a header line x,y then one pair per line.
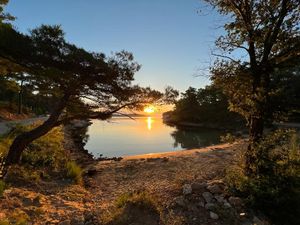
x,y
186,152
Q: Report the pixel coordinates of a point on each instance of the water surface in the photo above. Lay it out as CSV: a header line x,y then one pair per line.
x,y
124,136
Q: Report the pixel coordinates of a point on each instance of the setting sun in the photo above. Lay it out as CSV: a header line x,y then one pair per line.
x,y
149,109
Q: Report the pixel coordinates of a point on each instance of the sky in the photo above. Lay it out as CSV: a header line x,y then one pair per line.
x,y
170,39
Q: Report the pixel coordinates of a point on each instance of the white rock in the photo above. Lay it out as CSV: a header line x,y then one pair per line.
x,y
213,215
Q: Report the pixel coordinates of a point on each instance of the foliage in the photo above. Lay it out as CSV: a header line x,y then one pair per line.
x,y
74,172
2,187
78,84
208,106
274,186
267,34
137,207
228,138
45,156
46,151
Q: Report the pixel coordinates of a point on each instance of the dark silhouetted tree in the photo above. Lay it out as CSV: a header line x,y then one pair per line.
x,y
267,31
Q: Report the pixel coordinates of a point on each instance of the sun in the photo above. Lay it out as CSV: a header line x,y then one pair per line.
x,y
149,109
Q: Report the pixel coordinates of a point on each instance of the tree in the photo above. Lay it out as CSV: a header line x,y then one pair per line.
x,y
207,106
268,32
83,85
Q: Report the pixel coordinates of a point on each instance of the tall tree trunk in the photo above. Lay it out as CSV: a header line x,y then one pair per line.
x,y
257,123
255,133
23,140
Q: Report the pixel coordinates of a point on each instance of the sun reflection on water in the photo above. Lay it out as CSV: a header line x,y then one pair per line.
x,y
149,123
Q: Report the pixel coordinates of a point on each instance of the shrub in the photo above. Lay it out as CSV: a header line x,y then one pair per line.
x,y
2,187
46,153
228,138
74,172
274,186
134,208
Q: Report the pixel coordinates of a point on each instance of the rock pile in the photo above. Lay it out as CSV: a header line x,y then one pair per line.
x,y
210,203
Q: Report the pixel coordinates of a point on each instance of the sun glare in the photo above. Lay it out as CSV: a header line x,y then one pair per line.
x,y
149,109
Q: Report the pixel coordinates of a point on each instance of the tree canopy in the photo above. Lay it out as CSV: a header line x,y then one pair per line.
x,y
81,84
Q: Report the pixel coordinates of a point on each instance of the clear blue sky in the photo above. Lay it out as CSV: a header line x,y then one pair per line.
x,y
169,38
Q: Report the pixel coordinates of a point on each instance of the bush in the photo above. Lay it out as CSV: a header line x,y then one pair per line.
x,y
274,186
74,172
228,138
46,154
134,208
2,187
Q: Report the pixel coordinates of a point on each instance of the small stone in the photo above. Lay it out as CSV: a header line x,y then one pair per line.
x,y
180,201
215,189
236,201
227,205
65,222
210,206
198,187
257,221
207,196
219,198
213,215
201,204
187,189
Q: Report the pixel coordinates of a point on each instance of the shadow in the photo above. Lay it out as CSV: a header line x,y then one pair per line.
x,y
189,138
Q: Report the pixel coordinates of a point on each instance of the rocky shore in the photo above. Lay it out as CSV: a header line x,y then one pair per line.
x,y
188,188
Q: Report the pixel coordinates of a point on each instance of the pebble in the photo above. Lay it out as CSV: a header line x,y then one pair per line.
x,y
207,196
213,215
187,189
210,206
215,189
236,201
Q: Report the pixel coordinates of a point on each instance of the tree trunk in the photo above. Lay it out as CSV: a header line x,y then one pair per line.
x,y
255,133
23,140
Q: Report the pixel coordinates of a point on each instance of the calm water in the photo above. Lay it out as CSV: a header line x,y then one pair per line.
x,y
124,136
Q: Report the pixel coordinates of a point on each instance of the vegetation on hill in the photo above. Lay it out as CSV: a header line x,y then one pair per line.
x,y
206,107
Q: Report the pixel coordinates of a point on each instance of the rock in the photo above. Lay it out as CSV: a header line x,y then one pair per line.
x,y
213,215
91,172
219,198
227,205
201,204
210,206
236,201
180,201
207,196
78,220
257,221
215,189
65,222
187,189
198,187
